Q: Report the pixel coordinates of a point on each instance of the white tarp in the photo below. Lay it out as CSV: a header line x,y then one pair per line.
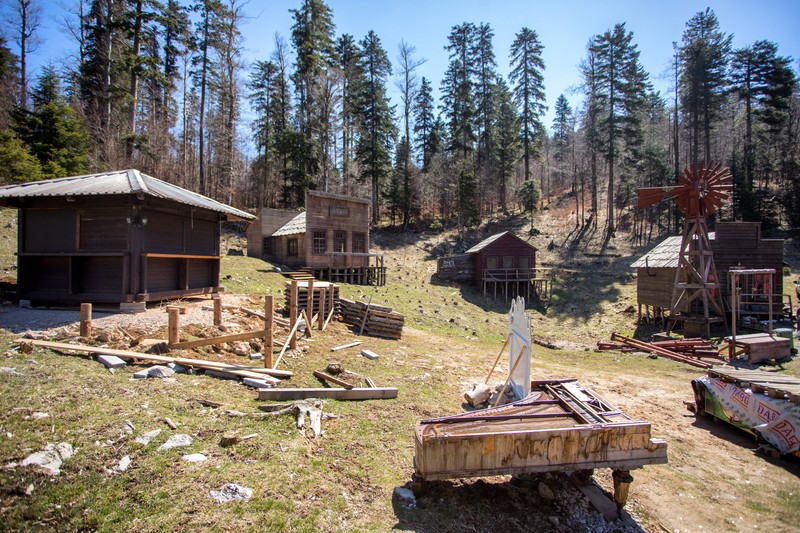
x,y
776,420
520,332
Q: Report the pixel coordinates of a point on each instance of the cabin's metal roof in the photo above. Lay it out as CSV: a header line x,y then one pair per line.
x,y
295,226
484,243
119,182
663,255
489,240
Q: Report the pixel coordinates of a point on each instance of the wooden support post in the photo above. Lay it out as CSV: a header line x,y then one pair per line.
x,y
269,327
293,315
86,320
217,310
322,313
173,330
309,306
308,320
622,484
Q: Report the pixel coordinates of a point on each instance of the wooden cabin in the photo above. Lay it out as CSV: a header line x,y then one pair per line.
x,y
330,239
119,236
502,261
734,244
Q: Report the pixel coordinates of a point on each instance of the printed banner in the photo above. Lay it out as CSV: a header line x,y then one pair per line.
x,y
776,420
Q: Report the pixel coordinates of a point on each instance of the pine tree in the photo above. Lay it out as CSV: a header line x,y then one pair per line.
x,y
506,151
9,83
50,130
486,79
704,58
622,86
377,127
348,55
458,99
424,120
527,76
562,139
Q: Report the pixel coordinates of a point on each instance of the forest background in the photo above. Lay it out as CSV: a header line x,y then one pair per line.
x,y
170,87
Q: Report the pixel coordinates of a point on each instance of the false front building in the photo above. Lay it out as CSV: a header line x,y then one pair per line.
x,y
329,240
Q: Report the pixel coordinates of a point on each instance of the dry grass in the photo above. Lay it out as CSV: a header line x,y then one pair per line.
x,y
344,481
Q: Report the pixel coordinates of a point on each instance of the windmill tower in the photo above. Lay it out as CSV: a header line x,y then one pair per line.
x,y
701,191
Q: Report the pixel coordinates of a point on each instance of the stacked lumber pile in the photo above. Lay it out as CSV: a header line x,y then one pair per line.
x,y
302,295
376,319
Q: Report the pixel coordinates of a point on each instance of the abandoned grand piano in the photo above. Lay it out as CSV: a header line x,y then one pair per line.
x,y
559,426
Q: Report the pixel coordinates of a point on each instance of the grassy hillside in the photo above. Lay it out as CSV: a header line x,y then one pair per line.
x,y
345,479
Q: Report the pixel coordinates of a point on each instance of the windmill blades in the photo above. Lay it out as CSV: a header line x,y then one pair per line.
x,y
651,195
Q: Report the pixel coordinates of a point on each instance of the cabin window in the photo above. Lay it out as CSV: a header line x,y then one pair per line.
x,y
359,243
524,262
339,241
339,211
491,262
291,247
508,261
267,246
320,244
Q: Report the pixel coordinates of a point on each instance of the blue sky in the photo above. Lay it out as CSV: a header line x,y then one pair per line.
x,y
563,27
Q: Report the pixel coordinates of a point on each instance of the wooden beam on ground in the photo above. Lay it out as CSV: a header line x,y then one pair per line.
x,y
219,340
330,315
129,355
280,394
343,346
332,379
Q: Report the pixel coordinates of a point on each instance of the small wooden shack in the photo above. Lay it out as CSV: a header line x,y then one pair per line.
x,y
501,261
119,236
734,244
330,239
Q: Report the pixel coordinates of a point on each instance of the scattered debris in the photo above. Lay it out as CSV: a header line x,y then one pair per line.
x,y
406,497
264,383
229,439
194,458
369,354
51,458
124,464
231,491
664,352
8,370
176,441
234,370
344,346
207,403
145,438
170,423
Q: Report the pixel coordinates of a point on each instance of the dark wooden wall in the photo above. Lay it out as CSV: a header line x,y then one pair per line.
x,y
506,246
324,213
654,286
740,244
91,249
457,267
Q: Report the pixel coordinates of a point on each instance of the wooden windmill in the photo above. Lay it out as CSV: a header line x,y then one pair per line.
x,y
701,191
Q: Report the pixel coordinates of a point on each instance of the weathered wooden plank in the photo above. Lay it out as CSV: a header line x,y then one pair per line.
x,y
280,394
126,354
333,379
